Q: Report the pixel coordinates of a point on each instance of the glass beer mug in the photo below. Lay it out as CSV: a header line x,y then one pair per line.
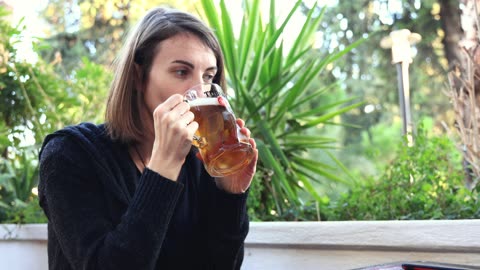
x,y
223,148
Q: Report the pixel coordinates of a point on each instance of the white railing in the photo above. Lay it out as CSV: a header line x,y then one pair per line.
x,y
303,245
23,247
356,244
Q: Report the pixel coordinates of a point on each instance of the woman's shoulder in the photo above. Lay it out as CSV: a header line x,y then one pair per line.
x,y
84,136
85,129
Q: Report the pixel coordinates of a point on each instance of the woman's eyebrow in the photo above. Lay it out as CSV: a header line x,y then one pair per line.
x,y
192,66
184,62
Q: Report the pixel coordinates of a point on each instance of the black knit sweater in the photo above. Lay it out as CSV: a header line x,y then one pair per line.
x,y
104,214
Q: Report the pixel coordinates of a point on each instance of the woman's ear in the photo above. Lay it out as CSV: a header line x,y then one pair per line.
x,y
139,78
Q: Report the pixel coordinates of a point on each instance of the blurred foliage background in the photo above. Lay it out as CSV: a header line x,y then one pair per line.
x,y
311,80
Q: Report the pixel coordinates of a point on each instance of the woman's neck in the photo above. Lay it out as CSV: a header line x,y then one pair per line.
x,y
141,150
141,153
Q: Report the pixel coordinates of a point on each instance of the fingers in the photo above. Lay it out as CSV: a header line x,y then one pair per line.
x,y
173,101
240,122
186,118
252,143
168,104
174,128
174,112
174,125
191,128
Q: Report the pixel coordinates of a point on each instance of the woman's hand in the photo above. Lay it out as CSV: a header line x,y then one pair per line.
x,y
174,129
239,182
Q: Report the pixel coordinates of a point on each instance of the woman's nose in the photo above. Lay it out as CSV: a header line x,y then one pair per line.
x,y
197,80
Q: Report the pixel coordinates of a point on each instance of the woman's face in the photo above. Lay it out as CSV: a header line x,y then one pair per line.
x,y
181,62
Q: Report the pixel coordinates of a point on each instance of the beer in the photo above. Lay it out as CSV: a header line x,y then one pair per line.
x,y
218,138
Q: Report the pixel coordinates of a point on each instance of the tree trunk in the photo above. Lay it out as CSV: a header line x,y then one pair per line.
x,y
450,18
463,53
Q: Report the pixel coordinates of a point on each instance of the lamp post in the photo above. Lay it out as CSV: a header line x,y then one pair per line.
x,y
400,41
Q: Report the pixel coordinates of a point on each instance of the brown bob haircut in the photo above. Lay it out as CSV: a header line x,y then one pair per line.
x,y
133,65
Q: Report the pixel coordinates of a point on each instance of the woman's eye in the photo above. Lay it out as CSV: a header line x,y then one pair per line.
x,y
181,72
208,77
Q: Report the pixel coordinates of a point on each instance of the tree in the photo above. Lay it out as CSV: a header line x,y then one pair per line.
x,y
34,101
367,72
448,49
93,28
465,86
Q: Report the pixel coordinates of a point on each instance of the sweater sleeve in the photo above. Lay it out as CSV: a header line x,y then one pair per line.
x,y
228,226
73,199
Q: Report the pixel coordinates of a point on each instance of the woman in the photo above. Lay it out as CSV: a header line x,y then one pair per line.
x,y
131,193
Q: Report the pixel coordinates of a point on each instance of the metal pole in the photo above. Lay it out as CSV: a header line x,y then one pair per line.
x,y
401,97
406,98
400,41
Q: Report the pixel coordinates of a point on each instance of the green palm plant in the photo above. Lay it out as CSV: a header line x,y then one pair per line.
x,y
273,92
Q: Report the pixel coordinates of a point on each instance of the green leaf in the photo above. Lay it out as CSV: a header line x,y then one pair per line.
x,y
306,33
228,33
319,168
326,107
324,118
271,163
305,141
248,32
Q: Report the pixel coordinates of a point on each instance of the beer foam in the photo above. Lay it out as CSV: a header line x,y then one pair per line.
x,y
204,102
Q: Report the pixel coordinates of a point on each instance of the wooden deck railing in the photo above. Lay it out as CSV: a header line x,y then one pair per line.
x,y
303,245
355,244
